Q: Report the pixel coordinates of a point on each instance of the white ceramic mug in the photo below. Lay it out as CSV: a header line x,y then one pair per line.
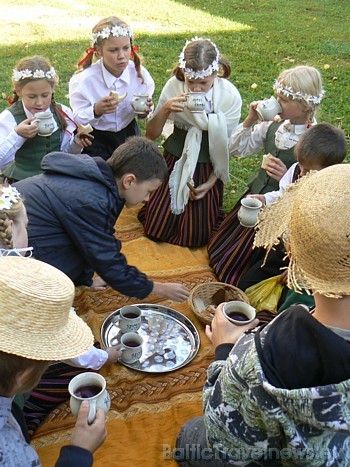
x,y
139,103
249,211
196,101
129,318
45,123
131,347
268,108
239,313
90,387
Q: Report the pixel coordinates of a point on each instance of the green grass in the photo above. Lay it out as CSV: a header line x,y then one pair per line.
x,y
260,38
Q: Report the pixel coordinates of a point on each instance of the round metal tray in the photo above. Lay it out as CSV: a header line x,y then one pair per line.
x,y
170,339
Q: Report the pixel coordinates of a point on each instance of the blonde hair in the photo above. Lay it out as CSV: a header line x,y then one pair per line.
x,y
33,63
110,22
7,215
306,80
198,56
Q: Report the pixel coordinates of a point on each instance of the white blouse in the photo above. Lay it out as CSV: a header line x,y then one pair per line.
x,y
92,84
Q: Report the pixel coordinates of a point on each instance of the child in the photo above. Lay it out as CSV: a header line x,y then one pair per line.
x,y
187,210
117,70
299,91
53,389
38,327
281,394
321,146
21,148
73,206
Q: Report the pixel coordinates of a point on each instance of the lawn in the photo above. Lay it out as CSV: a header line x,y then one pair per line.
x,y
260,38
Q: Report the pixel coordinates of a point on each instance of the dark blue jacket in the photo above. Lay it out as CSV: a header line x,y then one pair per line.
x,y
72,209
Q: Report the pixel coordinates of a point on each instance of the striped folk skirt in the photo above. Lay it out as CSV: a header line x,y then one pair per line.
x,y
230,248
200,218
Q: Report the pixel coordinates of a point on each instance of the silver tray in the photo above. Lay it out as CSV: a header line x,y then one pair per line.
x,y
170,339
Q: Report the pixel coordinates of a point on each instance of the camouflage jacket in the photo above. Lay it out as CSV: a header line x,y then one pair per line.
x,y
249,420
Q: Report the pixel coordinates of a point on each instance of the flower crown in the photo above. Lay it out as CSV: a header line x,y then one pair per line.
x,y
190,73
10,196
289,92
115,31
37,74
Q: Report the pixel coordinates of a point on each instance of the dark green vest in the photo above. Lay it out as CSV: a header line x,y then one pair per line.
x,y
28,157
261,183
175,144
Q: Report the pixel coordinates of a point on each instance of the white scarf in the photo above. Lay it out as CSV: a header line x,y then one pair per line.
x,y
219,124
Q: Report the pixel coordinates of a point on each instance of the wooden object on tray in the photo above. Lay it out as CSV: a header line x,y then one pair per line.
x,y
204,298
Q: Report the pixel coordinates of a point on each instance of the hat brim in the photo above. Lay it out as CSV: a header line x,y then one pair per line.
x,y
74,339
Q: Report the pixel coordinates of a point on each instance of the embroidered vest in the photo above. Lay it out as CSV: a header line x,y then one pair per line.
x,y
28,158
261,183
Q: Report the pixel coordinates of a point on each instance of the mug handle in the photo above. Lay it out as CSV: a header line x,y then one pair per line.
x,y
92,411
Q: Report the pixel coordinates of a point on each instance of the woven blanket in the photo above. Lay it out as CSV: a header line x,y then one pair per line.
x,y
147,410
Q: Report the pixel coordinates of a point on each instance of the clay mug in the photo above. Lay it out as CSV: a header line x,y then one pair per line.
x,y
196,101
45,123
239,313
249,211
268,109
139,103
90,387
131,347
129,318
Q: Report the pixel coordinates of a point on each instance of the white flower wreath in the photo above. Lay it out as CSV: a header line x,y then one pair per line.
x,y
289,92
37,74
190,73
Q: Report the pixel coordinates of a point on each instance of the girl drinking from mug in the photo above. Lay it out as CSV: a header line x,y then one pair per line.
x,y
298,91
21,147
185,211
53,388
101,94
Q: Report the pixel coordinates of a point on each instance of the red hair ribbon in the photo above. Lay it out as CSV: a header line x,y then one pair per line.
x,y
10,100
134,49
89,53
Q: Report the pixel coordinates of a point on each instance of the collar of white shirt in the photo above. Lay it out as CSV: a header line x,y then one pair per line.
x,y
110,79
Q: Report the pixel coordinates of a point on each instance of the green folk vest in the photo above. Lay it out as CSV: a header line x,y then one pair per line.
x,y
176,141
28,157
261,183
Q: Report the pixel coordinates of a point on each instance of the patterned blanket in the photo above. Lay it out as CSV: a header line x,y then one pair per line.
x,y
147,410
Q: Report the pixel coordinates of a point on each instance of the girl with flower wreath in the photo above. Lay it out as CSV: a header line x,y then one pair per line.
x,y
21,147
186,211
299,92
101,93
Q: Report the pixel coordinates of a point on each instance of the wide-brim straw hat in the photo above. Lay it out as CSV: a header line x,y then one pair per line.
x,y
36,319
313,218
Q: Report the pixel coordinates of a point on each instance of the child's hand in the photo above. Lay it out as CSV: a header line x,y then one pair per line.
x,y
222,331
27,129
106,105
275,168
201,190
252,116
176,104
87,436
171,290
259,197
98,284
114,353
84,141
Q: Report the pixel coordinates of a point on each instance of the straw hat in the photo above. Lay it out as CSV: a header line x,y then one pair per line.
x,y
36,319
314,217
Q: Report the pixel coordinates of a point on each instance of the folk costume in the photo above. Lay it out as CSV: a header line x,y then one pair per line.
x,y
197,147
